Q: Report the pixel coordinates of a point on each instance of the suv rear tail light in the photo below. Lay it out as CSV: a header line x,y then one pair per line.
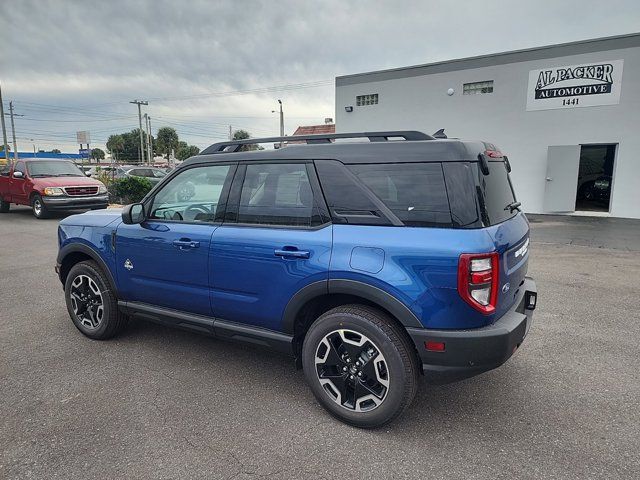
x,y
478,280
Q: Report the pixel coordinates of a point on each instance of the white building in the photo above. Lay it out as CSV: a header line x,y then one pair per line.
x,y
567,116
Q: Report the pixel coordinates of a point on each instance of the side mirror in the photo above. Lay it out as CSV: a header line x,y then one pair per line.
x,y
88,174
18,175
133,214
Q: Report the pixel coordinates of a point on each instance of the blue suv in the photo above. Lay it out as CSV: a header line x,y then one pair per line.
x,y
373,262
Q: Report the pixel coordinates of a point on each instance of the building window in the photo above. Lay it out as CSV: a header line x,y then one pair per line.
x,y
477,87
371,99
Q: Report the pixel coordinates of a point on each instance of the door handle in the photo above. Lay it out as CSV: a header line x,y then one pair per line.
x,y
548,179
291,253
185,244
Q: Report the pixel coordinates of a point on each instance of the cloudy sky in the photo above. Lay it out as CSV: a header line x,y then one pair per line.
x,y
205,65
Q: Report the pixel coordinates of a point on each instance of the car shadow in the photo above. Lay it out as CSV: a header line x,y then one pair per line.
x,y
25,212
434,408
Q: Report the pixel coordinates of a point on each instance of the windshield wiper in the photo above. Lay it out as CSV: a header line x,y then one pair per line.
x,y
513,206
34,175
68,175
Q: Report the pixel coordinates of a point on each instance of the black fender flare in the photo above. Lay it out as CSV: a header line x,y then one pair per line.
x,y
349,287
90,252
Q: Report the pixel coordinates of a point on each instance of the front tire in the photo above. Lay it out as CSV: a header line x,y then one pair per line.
x,y
38,207
91,302
360,365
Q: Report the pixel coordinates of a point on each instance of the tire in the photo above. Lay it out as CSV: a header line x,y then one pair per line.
x,y
38,207
4,206
383,386
86,289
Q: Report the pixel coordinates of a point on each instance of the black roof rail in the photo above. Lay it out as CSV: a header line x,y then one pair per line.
x,y
234,145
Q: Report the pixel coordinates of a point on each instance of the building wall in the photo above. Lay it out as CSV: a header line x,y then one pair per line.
x,y
421,103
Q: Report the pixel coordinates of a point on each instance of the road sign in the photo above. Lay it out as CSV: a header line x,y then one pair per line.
x,y
84,152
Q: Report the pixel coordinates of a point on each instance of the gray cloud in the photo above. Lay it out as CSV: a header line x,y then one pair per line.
x,y
90,57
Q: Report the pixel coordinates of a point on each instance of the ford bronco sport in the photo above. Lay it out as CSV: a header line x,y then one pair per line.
x,y
371,263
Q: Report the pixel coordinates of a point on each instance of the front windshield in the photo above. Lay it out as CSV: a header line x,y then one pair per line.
x,y
54,168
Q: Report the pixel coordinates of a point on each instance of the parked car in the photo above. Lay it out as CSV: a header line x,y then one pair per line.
x,y
372,264
154,175
48,185
598,190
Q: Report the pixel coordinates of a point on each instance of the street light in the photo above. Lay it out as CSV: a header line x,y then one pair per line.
x,y
281,120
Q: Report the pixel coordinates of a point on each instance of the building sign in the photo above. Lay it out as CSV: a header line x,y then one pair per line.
x,y
585,85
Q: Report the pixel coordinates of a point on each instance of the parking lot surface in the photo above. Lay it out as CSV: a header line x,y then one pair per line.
x,y
162,403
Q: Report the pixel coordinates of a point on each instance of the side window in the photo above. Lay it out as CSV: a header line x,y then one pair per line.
x,y
5,169
414,192
20,167
277,194
193,195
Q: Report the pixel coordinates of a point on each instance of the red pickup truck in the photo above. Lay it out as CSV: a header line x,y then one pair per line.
x,y
47,185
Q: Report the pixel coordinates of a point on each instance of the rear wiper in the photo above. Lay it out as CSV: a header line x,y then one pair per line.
x,y
513,206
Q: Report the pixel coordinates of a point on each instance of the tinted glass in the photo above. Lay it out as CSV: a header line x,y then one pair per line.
x,y
414,192
348,201
460,178
54,168
495,193
192,196
276,194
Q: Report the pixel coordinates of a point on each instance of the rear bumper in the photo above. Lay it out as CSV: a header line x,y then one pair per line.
x,y
76,203
471,352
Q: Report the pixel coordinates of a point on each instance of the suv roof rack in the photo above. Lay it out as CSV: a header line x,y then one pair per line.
x,y
234,145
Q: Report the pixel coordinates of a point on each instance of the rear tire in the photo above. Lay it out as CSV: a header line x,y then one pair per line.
x,y
4,206
38,207
360,365
91,303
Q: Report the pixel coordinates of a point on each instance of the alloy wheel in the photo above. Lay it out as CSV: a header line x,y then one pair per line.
x,y
352,370
87,302
37,207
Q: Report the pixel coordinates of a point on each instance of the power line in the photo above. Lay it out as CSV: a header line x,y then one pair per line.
x,y
273,88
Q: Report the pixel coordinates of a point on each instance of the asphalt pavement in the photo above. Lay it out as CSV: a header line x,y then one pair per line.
x,y
163,403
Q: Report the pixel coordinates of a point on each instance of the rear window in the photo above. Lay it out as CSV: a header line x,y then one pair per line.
x,y
495,193
414,192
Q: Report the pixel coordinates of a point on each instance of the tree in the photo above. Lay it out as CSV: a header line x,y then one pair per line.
x,y
97,154
126,146
115,145
244,135
55,150
167,141
186,151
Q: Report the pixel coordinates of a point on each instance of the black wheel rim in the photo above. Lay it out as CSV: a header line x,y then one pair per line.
x,y
86,301
352,370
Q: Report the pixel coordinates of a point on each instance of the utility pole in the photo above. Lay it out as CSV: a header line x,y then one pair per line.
x,y
140,102
13,132
4,129
230,134
147,157
150,140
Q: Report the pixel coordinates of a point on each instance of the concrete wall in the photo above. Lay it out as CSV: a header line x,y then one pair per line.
x,y
421,103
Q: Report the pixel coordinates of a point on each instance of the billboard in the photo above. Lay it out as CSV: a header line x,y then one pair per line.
x,y
83,137
570,86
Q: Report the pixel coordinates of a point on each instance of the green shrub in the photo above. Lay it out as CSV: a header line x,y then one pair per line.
x,y
129,189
